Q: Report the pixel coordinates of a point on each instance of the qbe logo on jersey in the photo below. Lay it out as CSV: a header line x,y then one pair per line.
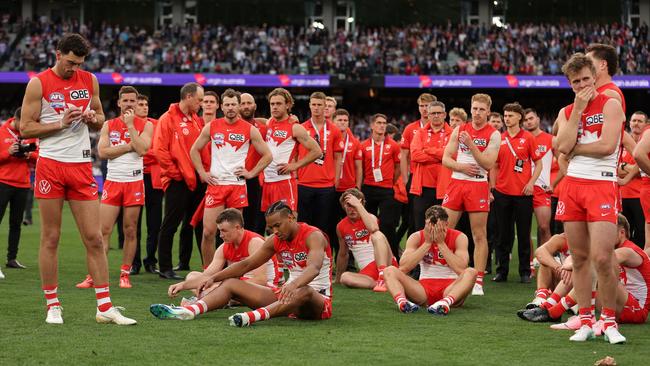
x,y
79,94
236,137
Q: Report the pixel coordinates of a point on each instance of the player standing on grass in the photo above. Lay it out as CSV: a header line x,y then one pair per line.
x,y
59,107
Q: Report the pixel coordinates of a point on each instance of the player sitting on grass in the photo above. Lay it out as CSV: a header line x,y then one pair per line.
x,y
238,245
445,279
359,233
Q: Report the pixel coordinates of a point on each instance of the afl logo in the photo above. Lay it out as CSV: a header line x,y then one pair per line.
x,y
218,138
57,100
79,94
44,187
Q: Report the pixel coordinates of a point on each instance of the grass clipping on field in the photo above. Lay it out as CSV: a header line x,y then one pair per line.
x,y
607,361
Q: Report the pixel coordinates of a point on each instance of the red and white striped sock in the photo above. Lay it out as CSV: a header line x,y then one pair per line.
x,y
558,309
608,316
551,301
125,269
199,307
449,300
103,296
51,298
380,269
399,300
585,316
593,305
543,293
479,278
258,315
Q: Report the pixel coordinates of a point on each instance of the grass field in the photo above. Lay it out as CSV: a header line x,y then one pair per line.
x,y
366,327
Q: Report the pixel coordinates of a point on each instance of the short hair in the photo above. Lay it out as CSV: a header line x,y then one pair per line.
x,y
378,115
189,89
231,93
621,222
426,98
341,112
458,112
17,113
331,99
391,129
75,43
495,115
352,192
437,103
279,206
143,97
127,89
514,107
436,213
642,113
607,53
318,95
232,215
282,92
482,98
212,94
530,110
577,62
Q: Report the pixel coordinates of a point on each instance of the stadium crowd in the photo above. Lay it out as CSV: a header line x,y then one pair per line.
x,y
416,49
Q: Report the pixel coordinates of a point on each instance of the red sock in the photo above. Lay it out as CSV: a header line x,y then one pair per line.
x,y
125,270
593,305
199,307
553,300
608,316
449,300
103,296
51,297
585,316
258,315
400,300
543,293
205,267
558,309
479,278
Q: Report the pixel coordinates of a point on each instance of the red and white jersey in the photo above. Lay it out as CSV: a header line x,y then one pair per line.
x,y
357,238
280,140
293,255
545,152
230,144
637,279
481,140
253,156
433,265
127,167
71,145
612,86
589,129
237,253
644,175
633,188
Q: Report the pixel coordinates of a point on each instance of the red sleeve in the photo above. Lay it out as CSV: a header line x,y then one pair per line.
x,y
419,153
5,143
407,138
534,152
337,140
358,153
396,151
162,148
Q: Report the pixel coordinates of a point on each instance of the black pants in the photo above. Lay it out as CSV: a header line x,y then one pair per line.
x,y
492,235
16,198
180,205
381,203
556,226
153,203
253,217
420,205
511,211
316,207
634,213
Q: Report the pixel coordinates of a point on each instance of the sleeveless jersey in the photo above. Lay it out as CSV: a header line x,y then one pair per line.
x,y
357,238
253,156
545,150
637,279
433,265
234,254
481,140
230,144
280,140
128,167
644,175
293,255
71,145
590,128
612,86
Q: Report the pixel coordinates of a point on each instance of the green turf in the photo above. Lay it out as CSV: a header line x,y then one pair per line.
x,y
366,328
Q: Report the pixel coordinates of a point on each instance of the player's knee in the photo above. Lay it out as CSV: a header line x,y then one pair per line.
x,y
192,274
345,279
50,240
602,262
209,231
130,230
93,241
471,273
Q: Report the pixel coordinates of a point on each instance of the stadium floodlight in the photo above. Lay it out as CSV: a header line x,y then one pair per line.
x,y
496,3
318,25
350,20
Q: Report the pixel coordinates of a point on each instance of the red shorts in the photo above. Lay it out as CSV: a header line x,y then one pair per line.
x,y
587,200
541,198
284,190
327,308
71,181
467,196
632,312
124,194
230,196
435,288
371,270
644,197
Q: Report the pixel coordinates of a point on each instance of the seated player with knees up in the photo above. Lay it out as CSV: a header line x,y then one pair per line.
x,y
359,233
238,245
445,279
304,250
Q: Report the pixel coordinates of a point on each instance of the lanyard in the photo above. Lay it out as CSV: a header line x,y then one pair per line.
x,y
12,133
318,135
511,149
381,153
345,152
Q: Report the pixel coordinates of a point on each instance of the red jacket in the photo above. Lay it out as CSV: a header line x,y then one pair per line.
x,y
13,171
172,150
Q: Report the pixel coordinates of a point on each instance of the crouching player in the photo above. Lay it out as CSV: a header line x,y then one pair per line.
x,y
238,245
359,233
445,279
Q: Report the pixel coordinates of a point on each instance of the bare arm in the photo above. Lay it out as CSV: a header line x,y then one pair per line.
x,y
404,162
30,125
488,157
458,259
450,150
316,244
545,252
627,257
314,150
259,274
266,156
609,136
641,153
338,156
261,256
413,254
341,257
95,117
195,154
140,142
358,173
104,148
